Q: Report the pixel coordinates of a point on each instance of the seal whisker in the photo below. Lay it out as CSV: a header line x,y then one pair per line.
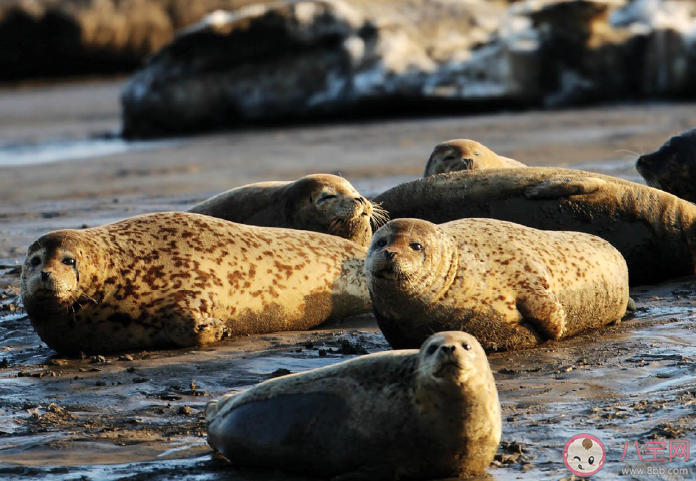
x,y
629,151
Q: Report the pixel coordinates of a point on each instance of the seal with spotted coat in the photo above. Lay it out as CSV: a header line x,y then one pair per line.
x,y
465,154
185,279
672,167
406,414
511,286
319,202
654,231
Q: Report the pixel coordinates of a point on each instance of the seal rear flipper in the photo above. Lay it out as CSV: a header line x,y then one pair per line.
x,y
563,186
542,309
294,431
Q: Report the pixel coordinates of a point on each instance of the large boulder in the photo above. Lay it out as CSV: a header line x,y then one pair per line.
x,y
309,58
50,38
317,57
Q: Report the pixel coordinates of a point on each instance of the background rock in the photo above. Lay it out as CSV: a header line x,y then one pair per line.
x,y
333,57
55,38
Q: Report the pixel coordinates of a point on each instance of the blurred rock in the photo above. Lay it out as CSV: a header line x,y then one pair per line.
x,y
316,58
53,38
300,59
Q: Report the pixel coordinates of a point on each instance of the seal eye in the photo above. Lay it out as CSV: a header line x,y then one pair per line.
x,y
591,460
432,349
381,243
416,246
466,346
69,261
476,152
325,197
35,261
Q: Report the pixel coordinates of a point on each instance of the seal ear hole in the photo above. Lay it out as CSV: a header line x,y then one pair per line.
x,y
416,246
466,346
431,350
35,261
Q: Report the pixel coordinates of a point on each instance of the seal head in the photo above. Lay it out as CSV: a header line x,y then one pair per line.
x,y
329,204
412,258
672,167
52,271
464,154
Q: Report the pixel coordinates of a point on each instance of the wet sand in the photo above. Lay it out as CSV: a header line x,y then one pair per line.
x,y
140,415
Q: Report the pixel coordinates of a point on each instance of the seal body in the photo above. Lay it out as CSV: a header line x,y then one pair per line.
x,y
672,167
185,279
320,203
465,154
511,286
653,230
432,414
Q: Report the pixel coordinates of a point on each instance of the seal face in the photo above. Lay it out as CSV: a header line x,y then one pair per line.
x,y
465,154
432,413
672,167
321,202
185,279
654,231
511,286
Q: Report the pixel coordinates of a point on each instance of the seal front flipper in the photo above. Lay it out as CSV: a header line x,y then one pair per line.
x,y
541,308
191,329
563,186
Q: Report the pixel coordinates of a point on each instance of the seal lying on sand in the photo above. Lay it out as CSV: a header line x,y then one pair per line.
x,y
320,203
465,154
654,231
511,286
672,167
185,279
432,414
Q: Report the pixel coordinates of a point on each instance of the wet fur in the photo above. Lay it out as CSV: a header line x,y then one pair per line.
x,y
512,287
380,416
652,229
187,279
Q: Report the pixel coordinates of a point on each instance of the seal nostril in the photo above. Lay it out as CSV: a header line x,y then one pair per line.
x,y
45,275
447,349
389,254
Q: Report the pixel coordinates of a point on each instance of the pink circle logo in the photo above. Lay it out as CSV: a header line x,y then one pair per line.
x,y
584,455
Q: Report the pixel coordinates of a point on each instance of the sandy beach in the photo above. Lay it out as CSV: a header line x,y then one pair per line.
x,y
140,415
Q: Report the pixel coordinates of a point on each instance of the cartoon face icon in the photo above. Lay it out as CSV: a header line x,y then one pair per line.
x,y
584,455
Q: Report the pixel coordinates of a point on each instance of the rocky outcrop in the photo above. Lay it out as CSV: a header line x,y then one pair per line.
x,y
307,58
312,58
53,38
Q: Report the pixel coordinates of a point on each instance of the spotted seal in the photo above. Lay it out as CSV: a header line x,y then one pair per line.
x,y
655,231
465,154
185,279
511,286
319,202
672,167
432,414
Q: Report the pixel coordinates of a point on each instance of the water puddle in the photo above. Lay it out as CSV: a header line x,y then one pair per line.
x,y
16,154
